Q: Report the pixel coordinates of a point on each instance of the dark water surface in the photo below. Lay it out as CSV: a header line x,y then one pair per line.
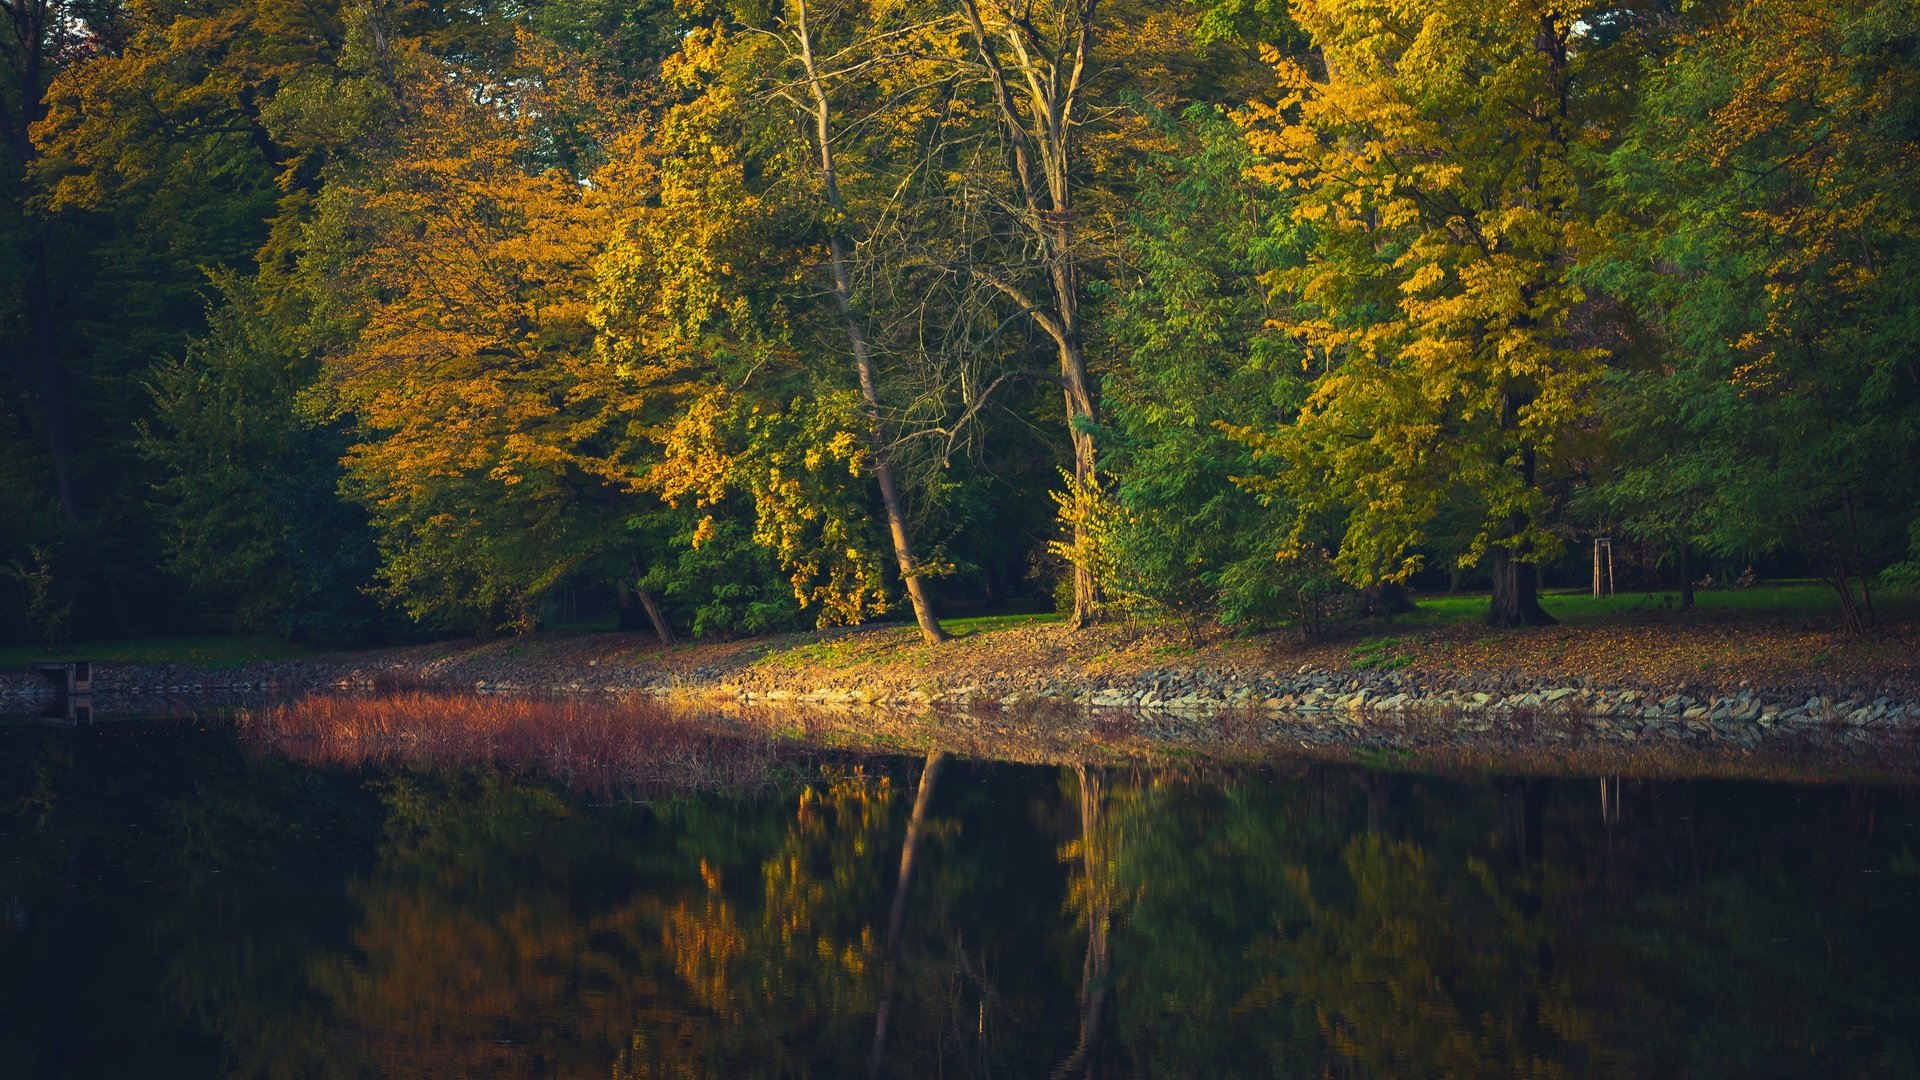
x,y
174,905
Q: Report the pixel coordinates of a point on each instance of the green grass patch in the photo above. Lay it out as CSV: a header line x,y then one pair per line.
x,y
879,643
987,624
1789,598
839,651
211,652
1377,653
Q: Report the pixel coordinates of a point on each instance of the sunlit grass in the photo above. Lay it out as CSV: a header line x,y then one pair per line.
x,y
987,624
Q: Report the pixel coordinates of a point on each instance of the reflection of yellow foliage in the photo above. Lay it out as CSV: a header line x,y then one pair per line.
x,y
1420,974
799,956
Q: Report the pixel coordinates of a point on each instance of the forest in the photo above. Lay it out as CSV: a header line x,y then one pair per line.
x,y
351,320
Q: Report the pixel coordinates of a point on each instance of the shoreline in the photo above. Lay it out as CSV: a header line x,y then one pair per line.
x,y
1149,689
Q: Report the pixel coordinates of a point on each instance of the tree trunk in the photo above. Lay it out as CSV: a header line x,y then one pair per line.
x,y
1040,158
1386,598
891,502
1516,597
1079,401
897,917
1686,576
1842,584
636,601
661,627
1086,587
1516,592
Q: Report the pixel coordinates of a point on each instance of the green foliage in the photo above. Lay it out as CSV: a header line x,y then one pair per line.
x,y
1775,256
1443,161
247,488
725,585
1196,351
42,609
1378,654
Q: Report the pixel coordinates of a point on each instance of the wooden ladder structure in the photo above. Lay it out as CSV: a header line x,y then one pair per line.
x,y
73,680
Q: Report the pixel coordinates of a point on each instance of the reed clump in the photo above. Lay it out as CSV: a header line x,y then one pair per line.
x,y
627,747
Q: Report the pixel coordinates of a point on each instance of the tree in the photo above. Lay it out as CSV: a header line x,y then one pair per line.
x,y
249,483
819,74
1770,240
495,451
1195,352
1441,154
1036,64
691,306
38,40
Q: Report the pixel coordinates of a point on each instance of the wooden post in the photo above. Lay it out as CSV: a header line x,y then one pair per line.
x,y
1596,568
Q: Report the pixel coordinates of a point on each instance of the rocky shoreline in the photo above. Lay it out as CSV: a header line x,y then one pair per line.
x,y
1212,695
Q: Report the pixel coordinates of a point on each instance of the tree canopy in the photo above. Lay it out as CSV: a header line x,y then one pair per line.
x,y
332,319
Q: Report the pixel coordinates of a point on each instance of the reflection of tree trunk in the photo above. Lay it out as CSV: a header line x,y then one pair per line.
x,y
916,827
1522,812
879,455
1096,970
65,957
1386,804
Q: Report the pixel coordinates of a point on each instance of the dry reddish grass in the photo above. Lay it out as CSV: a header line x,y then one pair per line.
x,y
597,746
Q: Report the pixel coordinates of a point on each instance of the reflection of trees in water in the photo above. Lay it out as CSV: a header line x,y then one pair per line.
x,y
506,933
1416,966
268,920
797,970
897,912
1422,927
1092,897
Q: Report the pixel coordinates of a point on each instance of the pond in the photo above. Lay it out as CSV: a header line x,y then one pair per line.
x,y
180,901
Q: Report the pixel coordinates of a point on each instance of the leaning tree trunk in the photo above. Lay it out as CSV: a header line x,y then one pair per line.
x,y
636,602
838,259
1841,581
